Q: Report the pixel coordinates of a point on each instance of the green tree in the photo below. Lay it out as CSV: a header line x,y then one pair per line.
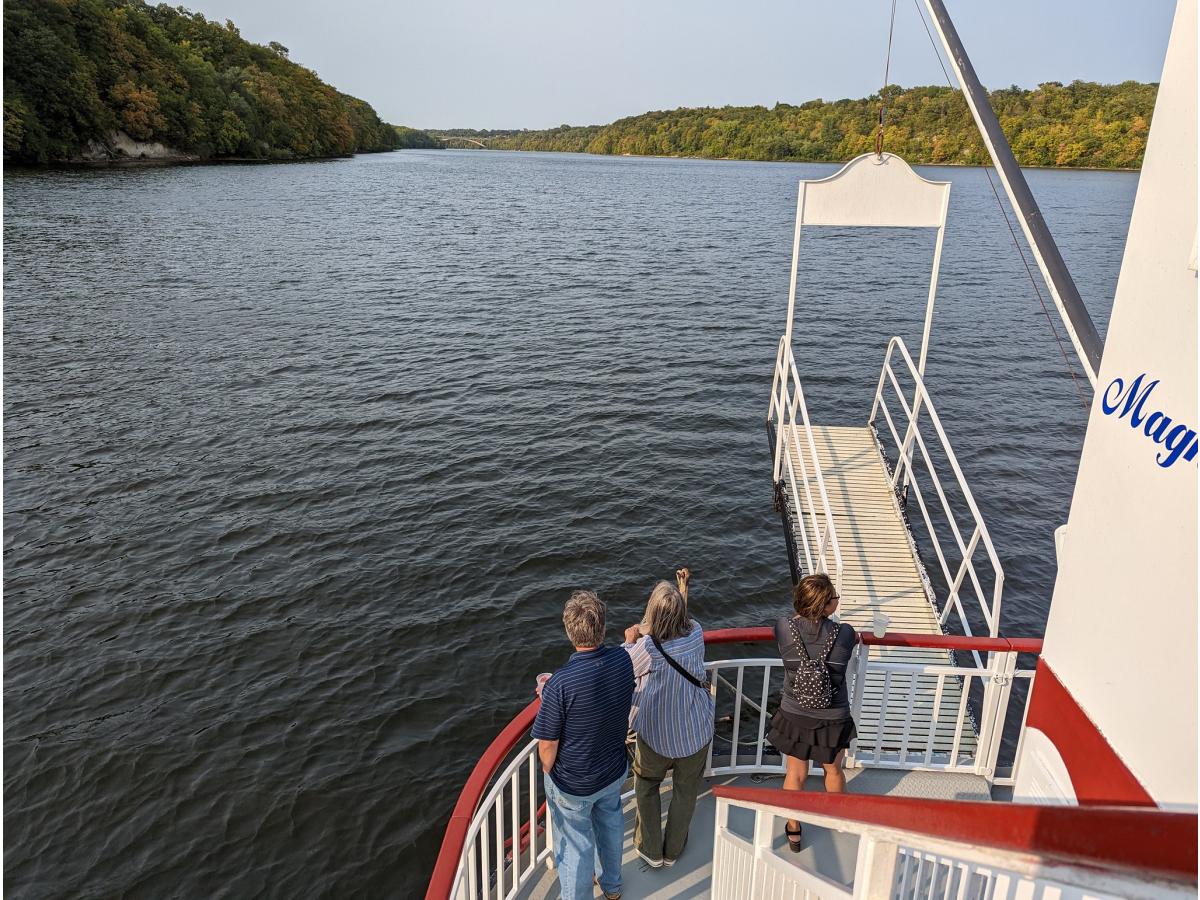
x,y
1080,124
76,71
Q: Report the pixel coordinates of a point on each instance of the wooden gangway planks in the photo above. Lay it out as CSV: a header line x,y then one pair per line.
x,y
880,575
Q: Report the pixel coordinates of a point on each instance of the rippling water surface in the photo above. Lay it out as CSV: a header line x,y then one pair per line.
x,y
302,460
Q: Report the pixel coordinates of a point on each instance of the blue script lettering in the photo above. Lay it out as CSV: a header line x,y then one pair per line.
x,y
1131,400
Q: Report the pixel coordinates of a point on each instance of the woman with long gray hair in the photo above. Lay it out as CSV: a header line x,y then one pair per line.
x,y
673,718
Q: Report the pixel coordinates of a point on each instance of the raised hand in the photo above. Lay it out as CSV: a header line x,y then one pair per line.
x,y
681,579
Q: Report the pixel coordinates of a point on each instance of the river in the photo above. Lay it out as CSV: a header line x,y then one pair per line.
x,y
302,460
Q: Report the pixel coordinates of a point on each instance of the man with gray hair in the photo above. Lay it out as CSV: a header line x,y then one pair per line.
x,y
580,730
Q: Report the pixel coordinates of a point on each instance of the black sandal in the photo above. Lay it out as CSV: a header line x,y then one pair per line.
x,y
794,845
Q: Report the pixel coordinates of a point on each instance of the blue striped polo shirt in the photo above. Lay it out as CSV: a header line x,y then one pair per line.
x,y
671,714
585,707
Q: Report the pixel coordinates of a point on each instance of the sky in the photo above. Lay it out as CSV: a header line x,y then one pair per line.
x,y
543,63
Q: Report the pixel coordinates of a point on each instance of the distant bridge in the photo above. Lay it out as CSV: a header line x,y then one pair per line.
x,y
450,138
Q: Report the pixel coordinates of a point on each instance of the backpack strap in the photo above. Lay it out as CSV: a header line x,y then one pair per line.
x,y
703,685
829,642
799,639
837,629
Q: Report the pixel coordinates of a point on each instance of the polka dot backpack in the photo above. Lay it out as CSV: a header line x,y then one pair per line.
x,y
811,684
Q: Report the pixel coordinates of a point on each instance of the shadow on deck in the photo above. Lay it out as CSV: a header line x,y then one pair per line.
x,y
827,852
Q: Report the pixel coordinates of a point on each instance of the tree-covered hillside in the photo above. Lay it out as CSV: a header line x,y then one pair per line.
x,y
79,71
1079,124
413,138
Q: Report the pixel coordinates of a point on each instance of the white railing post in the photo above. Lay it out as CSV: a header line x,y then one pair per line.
x,y
720,824
772,408
1006,667
549,837
778,386
998,686
875,868
887,361
780,429
764,823
1029,675
861,654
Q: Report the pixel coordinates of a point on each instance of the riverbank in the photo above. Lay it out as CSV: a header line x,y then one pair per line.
x,y
1081,125
831,162
166,85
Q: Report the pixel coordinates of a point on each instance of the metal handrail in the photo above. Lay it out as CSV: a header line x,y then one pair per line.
x,y
456,871
785,404
465,822
905,476
1038,845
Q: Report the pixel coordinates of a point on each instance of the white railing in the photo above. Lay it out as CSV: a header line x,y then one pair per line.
x,y
907,476
909,716
929,725
503,847
747,742
901,864
818,534
918,716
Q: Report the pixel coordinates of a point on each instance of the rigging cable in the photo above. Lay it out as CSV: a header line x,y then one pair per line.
x,y
1004,212
887,65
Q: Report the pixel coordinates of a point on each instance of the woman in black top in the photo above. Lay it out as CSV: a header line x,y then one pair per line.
x,y
813,721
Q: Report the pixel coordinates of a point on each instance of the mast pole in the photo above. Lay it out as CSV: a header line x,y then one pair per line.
x,y
1078,322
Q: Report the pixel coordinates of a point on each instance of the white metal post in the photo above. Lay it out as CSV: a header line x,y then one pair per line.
x,y
764,827
720,824
771,409
549,836
778,402
861,653
933,283
997,684
1006,665
875,870
925,334
787,334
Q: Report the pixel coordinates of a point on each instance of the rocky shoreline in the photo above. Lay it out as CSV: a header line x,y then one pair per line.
x,y
120,150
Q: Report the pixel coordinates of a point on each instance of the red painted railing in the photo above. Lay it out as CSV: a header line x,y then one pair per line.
x,y
936,641
1126,838
442,881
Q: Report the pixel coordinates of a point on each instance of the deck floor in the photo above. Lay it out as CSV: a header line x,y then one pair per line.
x,y
826,852
880,575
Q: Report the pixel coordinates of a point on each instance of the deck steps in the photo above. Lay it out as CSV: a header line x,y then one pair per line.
x,y
880,574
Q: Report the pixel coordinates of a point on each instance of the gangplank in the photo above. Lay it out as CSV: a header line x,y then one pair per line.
x,y
851,493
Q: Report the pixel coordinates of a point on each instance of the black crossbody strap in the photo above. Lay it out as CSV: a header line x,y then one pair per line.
x,y
703,685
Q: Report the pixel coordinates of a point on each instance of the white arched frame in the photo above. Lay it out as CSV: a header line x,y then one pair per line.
x,y
874,192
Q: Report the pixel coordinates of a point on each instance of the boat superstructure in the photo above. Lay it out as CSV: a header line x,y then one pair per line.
x,y
986,765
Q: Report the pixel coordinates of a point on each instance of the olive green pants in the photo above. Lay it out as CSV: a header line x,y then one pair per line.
x,y
649,770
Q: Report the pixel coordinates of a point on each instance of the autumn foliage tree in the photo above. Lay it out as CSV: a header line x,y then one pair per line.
x,y
76,71
1079,124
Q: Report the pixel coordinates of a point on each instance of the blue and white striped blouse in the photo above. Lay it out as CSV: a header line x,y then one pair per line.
x,y
670,713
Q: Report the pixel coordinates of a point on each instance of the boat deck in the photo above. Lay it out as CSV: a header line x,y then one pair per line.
x,y
826,852
881,574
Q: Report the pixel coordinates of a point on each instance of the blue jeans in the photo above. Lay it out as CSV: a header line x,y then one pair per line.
x,y
589,833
